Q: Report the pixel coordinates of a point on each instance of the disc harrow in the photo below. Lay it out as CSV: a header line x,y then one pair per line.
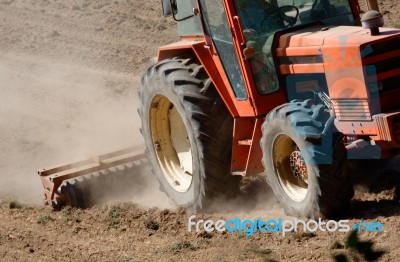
x,y
80,184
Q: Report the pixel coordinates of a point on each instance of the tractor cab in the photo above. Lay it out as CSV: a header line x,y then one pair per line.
x,y
261,20
254,25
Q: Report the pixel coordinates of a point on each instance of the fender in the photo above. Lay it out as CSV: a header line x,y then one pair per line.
x,y
246,155
197,48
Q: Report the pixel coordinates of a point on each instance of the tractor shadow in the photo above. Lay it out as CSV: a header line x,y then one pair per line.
x,y
254,195
377,188
376,183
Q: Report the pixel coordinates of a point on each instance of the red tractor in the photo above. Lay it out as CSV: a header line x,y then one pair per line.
x,y
292,88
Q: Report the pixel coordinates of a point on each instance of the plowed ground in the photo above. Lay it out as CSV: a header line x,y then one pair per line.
x,y
69,72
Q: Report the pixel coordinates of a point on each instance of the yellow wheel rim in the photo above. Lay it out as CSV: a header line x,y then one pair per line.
x,y
171,143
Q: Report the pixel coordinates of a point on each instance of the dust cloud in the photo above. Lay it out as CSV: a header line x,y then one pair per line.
x,y
61,99
255,199
53,113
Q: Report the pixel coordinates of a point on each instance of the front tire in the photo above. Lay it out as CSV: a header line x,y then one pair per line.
x,y
306,169
188,133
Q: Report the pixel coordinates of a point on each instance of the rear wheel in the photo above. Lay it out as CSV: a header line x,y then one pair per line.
x,y
188,133
306,168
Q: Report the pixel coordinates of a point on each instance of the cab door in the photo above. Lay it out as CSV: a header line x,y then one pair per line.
x,y
226,40
222,45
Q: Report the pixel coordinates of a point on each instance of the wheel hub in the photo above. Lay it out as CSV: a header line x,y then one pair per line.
x,y
290,168
298,165
171,143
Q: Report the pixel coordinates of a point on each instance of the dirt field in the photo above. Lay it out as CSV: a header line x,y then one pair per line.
x,y
69,72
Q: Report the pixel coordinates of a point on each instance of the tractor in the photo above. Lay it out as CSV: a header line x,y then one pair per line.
x,y
294,89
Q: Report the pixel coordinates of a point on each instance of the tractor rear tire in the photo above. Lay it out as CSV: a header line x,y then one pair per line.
x,y
306,167
188,133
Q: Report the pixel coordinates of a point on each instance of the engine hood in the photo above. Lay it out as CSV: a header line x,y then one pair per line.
x,y
340,35
351,60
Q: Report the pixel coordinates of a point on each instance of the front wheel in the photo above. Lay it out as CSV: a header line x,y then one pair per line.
x,y
306,168
188,133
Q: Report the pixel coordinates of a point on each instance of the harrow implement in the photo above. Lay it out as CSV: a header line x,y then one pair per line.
x,y
75,184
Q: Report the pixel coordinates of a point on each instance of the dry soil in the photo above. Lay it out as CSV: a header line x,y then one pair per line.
x,y
69,72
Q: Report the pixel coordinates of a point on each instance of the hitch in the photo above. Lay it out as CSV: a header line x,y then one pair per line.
x,y
53,177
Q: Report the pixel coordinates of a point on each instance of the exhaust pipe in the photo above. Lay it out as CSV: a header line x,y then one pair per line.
x,y
372,20
373,5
